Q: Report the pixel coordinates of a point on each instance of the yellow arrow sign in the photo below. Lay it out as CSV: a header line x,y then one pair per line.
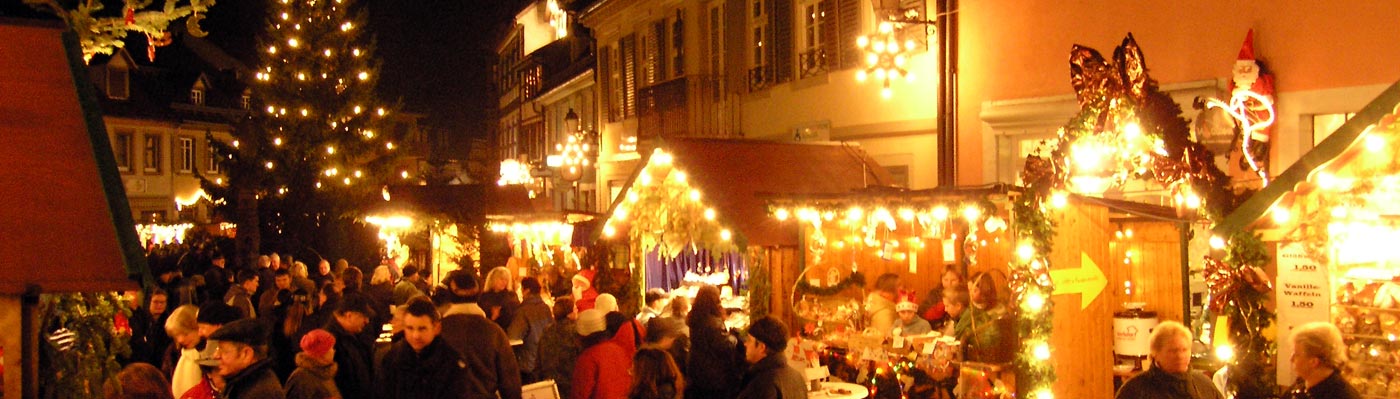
x,y
1087,280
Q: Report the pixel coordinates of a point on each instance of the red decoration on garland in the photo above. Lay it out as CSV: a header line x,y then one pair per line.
x,y
152,42
130,15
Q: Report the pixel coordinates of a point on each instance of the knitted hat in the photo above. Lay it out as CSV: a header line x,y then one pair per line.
x,y
591,321
605,303
217,313
906,306
317,342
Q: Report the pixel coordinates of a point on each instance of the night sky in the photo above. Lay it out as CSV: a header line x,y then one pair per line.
x,y
436,55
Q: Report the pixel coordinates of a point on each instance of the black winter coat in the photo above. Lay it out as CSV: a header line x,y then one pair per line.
x,y
771,378
255,382
714,367
437,372
355,361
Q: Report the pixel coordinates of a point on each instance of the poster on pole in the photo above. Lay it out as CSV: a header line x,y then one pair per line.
x,y
1303,296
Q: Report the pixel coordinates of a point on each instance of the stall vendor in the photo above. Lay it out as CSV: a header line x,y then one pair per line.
x,y
984,328
879,305
909,323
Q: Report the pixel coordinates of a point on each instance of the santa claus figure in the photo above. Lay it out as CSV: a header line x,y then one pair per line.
x,y
1252,102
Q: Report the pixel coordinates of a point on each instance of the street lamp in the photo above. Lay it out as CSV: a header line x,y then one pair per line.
x,y
573,152
885,55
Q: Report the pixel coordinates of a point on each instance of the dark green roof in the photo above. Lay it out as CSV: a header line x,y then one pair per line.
x,y
1335,144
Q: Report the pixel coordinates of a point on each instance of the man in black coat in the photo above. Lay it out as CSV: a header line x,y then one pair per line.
x,y
769,376
243,362
421,365
353,356
491,368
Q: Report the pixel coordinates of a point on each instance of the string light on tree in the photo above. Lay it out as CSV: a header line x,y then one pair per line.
x,y
326,138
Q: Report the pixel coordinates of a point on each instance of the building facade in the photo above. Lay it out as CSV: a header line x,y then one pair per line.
x,y
764,69
545,77
160,118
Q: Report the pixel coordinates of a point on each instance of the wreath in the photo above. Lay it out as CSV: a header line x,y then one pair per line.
x,y
854,279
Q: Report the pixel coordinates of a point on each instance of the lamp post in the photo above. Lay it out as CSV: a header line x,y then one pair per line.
x,y
573,155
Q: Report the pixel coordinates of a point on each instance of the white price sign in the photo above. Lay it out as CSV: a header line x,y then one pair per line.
x,y
1303,296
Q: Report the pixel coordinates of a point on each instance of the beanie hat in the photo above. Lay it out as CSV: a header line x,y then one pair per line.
x,y
317,342
906,306
605,303
591,321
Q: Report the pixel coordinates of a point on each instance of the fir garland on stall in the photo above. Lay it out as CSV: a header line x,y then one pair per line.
x,y
80,342
760,283
855,279
102,33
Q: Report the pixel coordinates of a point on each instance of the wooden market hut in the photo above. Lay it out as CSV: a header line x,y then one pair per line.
x,y
63,209
698,194
1329,225
1098,244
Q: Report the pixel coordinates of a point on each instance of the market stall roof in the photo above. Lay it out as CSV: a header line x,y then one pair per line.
x,y
737,174
63,209
1335,145
467,202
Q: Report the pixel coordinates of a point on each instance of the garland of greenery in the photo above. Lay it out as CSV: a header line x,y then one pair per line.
x,y
855,279
760,283
1031,278
78,370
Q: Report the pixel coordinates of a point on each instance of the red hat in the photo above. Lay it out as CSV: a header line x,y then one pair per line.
x,y
317,342
1247,49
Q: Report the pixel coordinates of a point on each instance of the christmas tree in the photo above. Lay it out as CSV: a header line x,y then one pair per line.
x,y
316,148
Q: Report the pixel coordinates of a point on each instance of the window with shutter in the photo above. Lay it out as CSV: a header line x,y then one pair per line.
x,y
759,74
656,53
627,50
848,25
781,40
828,35
678,44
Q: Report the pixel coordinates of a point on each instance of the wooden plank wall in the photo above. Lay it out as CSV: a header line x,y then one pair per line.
x,y
1154,268
1082,341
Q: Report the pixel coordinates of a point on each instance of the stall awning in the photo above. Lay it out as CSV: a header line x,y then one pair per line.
x,y
736,176
464,202
64,221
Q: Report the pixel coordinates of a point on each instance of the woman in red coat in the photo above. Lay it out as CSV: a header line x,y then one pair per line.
x,y
601,370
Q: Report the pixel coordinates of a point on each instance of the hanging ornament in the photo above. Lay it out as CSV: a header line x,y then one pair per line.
x,y
152,42
192,25
129,15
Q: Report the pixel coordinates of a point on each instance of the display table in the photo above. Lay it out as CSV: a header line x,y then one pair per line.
x,y
839,390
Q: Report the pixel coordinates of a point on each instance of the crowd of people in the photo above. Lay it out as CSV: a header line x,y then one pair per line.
x,y
323,332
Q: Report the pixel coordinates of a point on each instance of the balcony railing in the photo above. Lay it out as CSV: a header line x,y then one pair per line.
x,y
693,105
760,77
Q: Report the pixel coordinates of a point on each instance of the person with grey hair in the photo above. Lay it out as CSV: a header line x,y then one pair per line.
x,y
1319,356
1170,376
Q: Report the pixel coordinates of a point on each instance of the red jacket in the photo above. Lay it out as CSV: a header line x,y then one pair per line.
x,y
603,371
